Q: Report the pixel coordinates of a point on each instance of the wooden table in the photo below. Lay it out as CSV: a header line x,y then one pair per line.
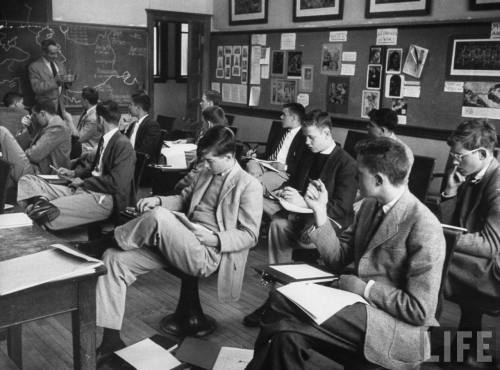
x,y
75,295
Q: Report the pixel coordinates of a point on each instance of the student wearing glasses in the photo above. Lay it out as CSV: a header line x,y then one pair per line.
x,y
471,199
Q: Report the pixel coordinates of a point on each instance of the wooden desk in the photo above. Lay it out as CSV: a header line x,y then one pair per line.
x,y
75,295
163,180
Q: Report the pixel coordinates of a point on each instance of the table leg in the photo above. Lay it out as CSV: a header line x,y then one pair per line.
x,y
14,344
84,327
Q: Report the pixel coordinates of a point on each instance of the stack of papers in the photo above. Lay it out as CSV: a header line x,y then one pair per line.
x,y
303,271
175,154
318,301
11,220
54,264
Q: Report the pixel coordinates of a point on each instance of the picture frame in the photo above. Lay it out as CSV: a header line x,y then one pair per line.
x,y
470,58
415,60
481,99
484,4
307,78
331,59
396,8
393,60
278,63
376,55
374,76
247,11
283,91
394,86
370,99
337,94
307,10
294,64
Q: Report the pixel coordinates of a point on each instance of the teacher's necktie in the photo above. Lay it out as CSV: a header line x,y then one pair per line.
x,y
53,68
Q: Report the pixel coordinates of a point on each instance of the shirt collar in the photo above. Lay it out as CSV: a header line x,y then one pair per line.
x,y
107,136
387,207
329,150
92,108
141,119
479,176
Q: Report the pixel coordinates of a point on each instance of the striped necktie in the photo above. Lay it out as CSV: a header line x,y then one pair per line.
x,y
274,156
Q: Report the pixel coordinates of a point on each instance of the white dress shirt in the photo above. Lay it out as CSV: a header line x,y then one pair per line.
x,y
136,128
105,140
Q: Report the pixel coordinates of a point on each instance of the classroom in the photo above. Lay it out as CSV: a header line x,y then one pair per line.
x,y
250,184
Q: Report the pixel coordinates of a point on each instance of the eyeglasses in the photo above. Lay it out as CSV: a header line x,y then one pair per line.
x,y
459,157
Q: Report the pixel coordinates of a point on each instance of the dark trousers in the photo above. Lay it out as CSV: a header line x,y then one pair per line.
x,y
289,339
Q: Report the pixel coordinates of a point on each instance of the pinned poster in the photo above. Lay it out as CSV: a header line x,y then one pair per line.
x,y
349,56
337,36
215,86
303,99
387,36
454,86
254,96
255,65
288,41
259,39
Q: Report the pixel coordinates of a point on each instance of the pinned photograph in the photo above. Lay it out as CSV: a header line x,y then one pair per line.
x,y
370,99
227,73
393,60
294,63
219,73
236,71
244,77
278,63
331,56
244,51
307,77
374,76
219,62
375,56
400,106
394,86
481,100
237,50
283,91
228,50
220,51
337,94
415,60
475,57
227,61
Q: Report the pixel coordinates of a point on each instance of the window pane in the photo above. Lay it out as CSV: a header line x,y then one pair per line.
x,y
155,51
184,54
184,27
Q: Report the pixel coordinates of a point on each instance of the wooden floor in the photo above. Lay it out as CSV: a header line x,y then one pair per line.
x,y
47,342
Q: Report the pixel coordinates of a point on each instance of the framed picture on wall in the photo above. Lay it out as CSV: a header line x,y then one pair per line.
x,y
484,4
370,99
394,86
393,60
247,11
396,8
278,63
316,10
283,91
331,59
475,57
374,76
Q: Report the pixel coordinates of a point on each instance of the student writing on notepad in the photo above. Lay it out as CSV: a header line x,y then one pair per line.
x,y
398,248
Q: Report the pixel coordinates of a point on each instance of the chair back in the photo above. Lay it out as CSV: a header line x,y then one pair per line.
x,y
351,139
161,139
5,168
421,176
142,160
165,122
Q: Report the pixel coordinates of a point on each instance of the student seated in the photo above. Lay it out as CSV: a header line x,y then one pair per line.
x,y
325,161
471,199
224,199
286,150
102,182
12,118
398,249
88,128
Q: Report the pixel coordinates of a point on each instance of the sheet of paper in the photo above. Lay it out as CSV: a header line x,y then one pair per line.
x,y
349,56
301,271
288,41
147,355
216,86
193,226
265,55
318,301
254,96
348,69
264,71
49,177
255,65
11,220
411,91
303,99
231,358
259,39
176,158
337,36
290,207
387,36
51,265
454,86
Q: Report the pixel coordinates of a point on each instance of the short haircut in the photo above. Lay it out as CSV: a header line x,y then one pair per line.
x,y
473,134
109,111
384,155
47,43
213,96
142,100
11,97
317,118
384,117
297,109
219,140
90,94
45,105
215,115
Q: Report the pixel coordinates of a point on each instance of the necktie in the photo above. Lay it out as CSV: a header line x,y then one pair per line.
x,y
54,69
274,156
376,221
78,127
130,130
97,158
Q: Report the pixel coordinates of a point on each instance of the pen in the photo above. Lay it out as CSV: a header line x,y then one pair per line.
x,y
55,169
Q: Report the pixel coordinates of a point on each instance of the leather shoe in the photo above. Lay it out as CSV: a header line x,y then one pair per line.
x,y
253,320
43,212
105,352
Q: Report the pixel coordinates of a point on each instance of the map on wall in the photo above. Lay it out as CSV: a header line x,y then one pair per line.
x,y
113,60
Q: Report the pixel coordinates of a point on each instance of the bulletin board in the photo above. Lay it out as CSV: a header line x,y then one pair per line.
x,y
434,109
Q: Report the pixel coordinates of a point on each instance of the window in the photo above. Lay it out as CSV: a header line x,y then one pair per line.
x,y
170,51
159,52
182,50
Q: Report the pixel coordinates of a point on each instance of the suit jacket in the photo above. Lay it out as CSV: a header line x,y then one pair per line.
x,y
475,263
89,130
297,148
51,146
43,82
117,177
146,140
405,259
238,215
339,175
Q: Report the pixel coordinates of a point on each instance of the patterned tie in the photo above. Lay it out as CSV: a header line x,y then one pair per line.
x,y
274,156
97,158
376,221
54,69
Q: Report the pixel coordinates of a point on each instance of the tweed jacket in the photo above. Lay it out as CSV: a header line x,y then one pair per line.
x,y
238,215
117,177
405,260
42,80
89,130
477,253
297,148
146,140
50,146
339,174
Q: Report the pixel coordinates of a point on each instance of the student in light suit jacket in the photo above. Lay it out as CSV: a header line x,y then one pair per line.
x,y
157,237
398,262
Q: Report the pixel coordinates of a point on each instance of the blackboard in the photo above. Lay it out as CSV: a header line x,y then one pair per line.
x,y
111,59
435,109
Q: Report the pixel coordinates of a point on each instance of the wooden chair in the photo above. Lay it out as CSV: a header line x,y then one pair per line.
x,y
5,168
351,139
165,122
243,146
421,175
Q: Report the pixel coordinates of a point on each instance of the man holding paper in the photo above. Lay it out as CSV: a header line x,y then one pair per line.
x,y
398,249
224,199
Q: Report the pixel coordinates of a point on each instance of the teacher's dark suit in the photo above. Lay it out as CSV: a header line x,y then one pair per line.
x,y
146,140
